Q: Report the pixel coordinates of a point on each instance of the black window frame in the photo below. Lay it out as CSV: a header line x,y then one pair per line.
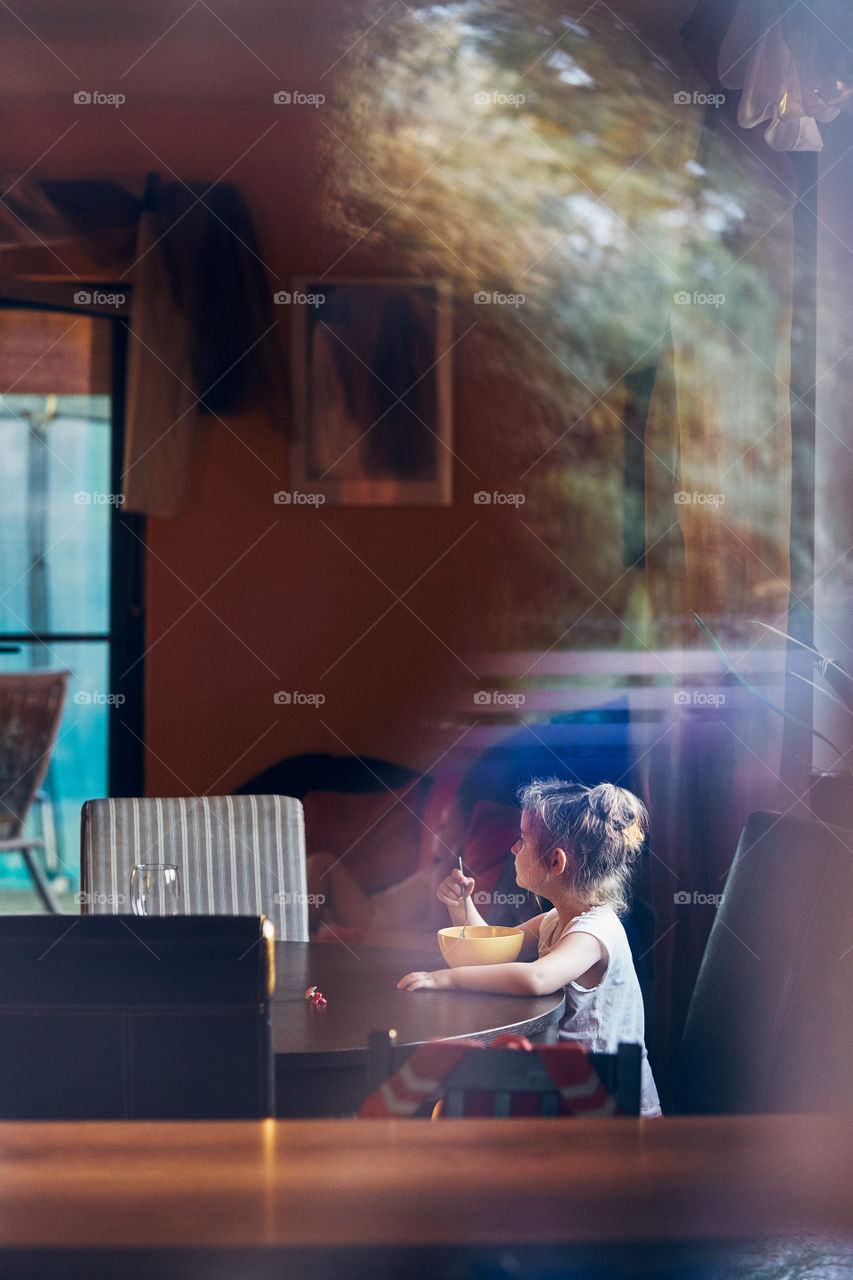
x,y
126,629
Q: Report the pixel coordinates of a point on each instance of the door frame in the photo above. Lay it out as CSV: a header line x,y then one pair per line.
x,y
126,633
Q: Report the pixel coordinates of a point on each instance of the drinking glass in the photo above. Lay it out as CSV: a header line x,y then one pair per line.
x,y
155,889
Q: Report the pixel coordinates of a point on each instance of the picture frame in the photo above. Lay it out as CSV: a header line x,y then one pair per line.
x,y
372,390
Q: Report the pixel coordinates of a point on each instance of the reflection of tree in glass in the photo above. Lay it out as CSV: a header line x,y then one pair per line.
x,y
544,155
529,149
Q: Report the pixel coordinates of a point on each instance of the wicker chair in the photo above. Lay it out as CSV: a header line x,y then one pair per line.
x,y
31,704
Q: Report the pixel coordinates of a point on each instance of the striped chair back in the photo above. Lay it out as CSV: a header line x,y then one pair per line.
x,y
546,1080
236,855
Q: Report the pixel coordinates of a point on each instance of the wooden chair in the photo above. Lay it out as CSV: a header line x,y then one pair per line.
x,y
236,855
123,1018
31,705
769,1026
495,1079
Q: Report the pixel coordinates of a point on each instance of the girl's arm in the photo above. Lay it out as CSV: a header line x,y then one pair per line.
x,y
530,945
569,960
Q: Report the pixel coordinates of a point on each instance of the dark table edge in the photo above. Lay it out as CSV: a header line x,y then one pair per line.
x,y
357,1057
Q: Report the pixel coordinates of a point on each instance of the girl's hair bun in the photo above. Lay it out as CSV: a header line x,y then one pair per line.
x,y
634,837
604,827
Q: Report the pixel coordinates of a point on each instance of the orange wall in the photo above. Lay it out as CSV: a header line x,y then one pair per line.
x,y
292,596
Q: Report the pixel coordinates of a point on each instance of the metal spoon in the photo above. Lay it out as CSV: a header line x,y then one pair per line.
x,y
465,896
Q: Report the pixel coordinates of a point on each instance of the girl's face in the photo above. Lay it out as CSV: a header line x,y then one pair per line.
x,y
529,869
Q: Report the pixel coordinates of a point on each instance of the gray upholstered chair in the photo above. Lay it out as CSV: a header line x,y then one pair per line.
x,y
236,855
770,1025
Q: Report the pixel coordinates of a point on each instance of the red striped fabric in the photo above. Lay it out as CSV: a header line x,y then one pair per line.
x,y
580,1088
421,1079
418,1080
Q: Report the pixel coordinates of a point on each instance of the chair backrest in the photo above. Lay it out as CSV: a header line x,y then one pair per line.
x,y
502,1081
31,704
236,855
769,1026
127,1018
550,1080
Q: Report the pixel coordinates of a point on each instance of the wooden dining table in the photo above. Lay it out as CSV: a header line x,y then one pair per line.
x,y
321,1051
456,1198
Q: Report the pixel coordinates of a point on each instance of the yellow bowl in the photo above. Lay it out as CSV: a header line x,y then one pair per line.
x,y
482,944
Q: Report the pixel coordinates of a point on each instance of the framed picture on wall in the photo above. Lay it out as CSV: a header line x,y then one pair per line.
x,y
372,391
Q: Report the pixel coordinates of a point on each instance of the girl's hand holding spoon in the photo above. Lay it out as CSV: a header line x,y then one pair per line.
x,y
455,892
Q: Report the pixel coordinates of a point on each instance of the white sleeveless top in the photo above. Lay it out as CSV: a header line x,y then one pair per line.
x,y
601,1017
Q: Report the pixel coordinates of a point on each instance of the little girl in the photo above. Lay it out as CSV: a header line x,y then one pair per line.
x,y
576,848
